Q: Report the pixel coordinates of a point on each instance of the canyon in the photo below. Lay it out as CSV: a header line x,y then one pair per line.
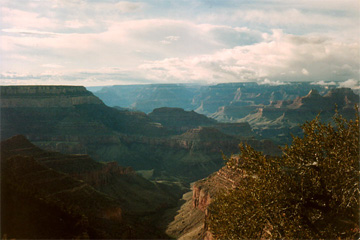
x,y
273,111
125,169
77,122
72,196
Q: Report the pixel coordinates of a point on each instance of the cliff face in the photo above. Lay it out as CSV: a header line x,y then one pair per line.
x,y
40,202
44,90
190,222
280,119
206,189
43,112
109,178
105,175
201,198
107,200
46,96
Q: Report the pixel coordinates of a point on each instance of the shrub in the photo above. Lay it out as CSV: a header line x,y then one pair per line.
x,y
311,191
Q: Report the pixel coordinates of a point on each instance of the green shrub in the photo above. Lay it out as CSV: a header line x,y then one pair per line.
x,y
311,191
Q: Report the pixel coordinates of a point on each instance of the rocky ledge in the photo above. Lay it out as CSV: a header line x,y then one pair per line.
x,y
46,96
205,190
190,222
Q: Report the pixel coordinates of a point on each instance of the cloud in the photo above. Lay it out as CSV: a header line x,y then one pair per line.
x,y
271,83
350,83
87,77
280,56
334,18
125,7
199,40
25,19
126,43
323,5
28,32
277,57
170,39
233,36
12,75
305,71
64,16
323,83
294,17
48,65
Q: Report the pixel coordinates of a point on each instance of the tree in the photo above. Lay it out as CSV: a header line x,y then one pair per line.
x,y
311,191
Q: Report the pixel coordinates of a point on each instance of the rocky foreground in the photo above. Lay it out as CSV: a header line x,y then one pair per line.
x,y
190,221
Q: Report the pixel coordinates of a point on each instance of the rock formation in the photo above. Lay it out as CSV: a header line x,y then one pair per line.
x,y
190,222
101,200
203,99
272,111
179,120
130,138
280,119
45,96
39,202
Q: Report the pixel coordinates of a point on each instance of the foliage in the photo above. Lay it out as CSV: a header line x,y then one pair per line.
x,y
311,191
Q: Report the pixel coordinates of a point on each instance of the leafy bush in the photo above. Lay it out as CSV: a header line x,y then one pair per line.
x,y
311,191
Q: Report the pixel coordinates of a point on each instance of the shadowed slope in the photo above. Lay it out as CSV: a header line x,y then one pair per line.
x,y
109,201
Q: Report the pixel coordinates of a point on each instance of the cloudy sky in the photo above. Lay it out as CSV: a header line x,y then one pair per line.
x,y
107,42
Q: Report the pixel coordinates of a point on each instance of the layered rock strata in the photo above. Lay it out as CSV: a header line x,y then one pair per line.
x,y
53,118
190,222
104,200
46,96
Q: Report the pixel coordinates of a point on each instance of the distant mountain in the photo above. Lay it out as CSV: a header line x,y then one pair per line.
x,y
179,120
146,98
65,110
233,113
274,112
281,118
203,99
72,120
52,195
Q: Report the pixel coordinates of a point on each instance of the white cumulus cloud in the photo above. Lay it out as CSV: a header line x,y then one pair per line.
x,y
180,41
280,57
350,83
323,83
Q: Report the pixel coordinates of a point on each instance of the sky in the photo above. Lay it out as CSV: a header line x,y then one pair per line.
x,y
111,42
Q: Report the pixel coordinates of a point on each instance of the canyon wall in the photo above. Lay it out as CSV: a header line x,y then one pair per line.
x,y
46,96
190,222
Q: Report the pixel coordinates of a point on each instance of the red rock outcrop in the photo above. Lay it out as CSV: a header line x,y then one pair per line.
x,y
201,198
205,190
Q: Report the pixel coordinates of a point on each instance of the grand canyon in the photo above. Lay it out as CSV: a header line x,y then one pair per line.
x,y
140,161
159,119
